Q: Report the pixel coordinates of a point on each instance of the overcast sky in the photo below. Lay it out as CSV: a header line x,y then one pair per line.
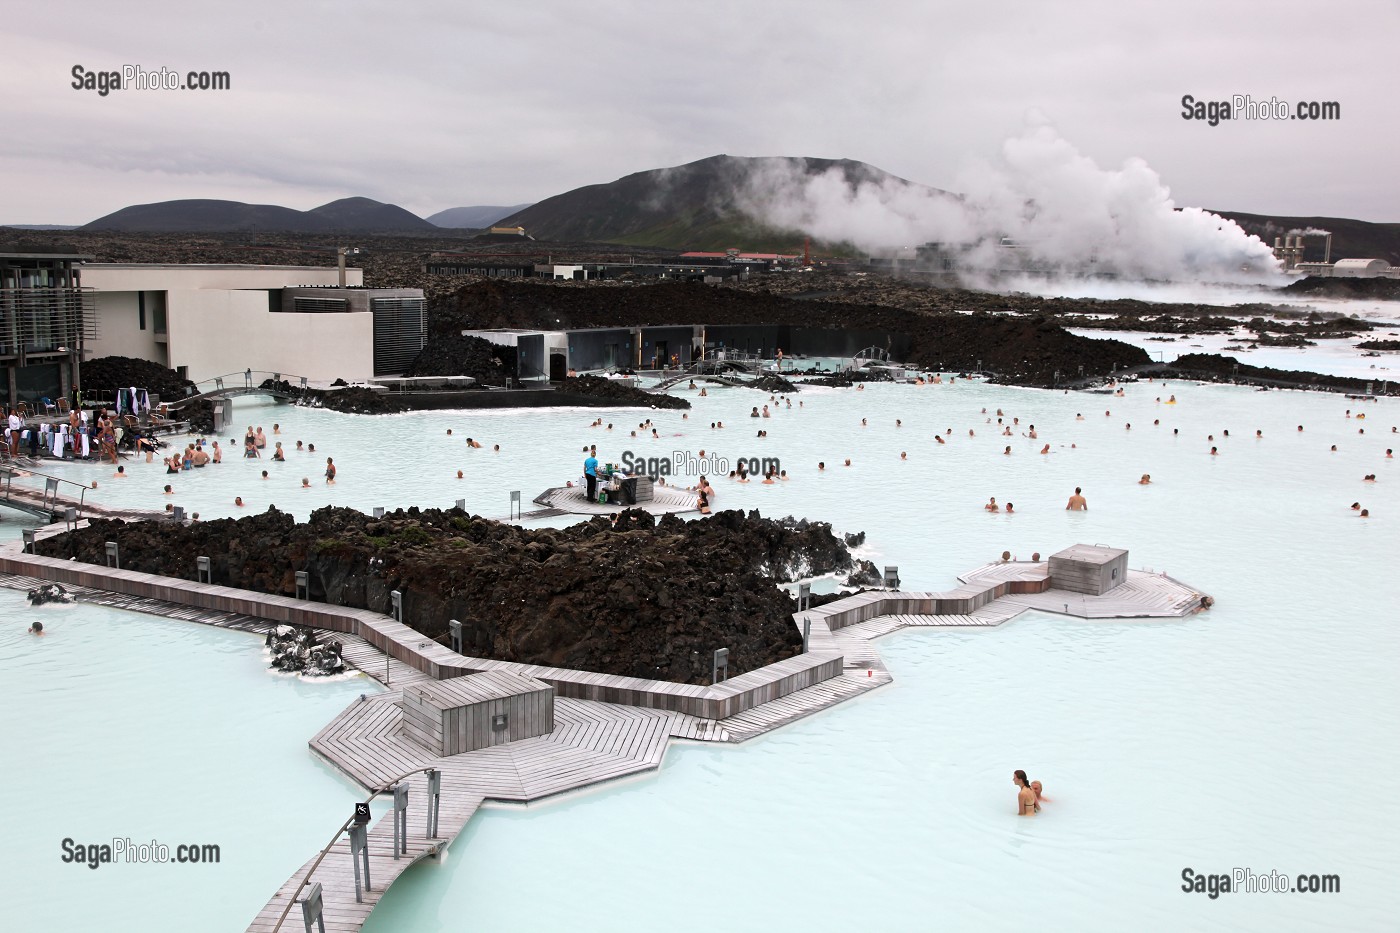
x,y
434,105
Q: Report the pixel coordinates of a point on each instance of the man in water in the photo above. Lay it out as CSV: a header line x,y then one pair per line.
x,y
590,475
36,629
1077,502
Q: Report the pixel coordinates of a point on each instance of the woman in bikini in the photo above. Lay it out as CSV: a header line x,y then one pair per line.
x,y
1026,803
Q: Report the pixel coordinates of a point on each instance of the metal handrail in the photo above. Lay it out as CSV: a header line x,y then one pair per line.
x,y
244,374
10,472
292,899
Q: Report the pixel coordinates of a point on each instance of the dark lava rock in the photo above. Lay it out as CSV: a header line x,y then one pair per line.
x,y
623,394
865,574
297,649
645,598
102,377
49,593
854,540
1385,289
772,382
348,401
452,354
1212,367
1021,349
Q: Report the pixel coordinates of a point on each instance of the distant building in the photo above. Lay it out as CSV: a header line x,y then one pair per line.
x,y
1348,269
210,320
46,318
1363,269
507,231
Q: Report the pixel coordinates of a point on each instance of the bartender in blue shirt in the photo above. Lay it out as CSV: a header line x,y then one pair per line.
x,y
590,474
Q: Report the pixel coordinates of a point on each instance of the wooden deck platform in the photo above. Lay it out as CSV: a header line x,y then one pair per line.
x,y
592,742
571,500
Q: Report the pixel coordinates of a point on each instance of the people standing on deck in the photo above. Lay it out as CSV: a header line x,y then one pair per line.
x,y
590,474
16,426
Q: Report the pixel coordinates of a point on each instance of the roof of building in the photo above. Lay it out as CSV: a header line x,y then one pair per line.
x,y
1361,263
1090,553
768,256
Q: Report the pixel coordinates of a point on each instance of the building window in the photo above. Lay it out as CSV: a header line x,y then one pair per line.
x,y
141,309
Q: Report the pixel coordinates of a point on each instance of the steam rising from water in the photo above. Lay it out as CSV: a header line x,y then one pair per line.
x,y
1043,207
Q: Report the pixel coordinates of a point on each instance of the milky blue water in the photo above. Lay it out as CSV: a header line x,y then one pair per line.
x,y
119,725
1260,735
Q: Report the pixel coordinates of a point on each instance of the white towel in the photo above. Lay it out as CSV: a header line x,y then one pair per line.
x,y
86,448
58,445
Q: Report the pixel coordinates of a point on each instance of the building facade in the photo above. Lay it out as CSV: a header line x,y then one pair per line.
x,y
46,317
211,320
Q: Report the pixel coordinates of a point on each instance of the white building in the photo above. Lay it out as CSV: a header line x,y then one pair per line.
x,y
1362,269
211,320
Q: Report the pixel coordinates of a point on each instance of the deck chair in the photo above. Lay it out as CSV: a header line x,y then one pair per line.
x,y
63,406
49,407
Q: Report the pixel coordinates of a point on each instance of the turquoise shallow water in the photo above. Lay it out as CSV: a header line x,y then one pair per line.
x,y
1258,735
121,725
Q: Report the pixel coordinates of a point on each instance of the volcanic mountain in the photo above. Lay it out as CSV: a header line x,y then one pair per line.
x,y
701,205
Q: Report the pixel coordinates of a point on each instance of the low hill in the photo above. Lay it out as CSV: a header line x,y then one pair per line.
x,y
700,205
369,215
200,215
1351,239
473,218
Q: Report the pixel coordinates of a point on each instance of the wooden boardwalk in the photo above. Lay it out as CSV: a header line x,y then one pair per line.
x,y
595,742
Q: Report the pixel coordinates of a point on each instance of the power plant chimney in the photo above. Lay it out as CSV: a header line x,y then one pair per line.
x,y
1327,249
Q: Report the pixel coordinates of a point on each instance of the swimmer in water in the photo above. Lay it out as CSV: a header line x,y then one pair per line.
x,y
459,474
1146,480
1007,451
991,505
1010,508
305,483
1026,804
848,461
472,443
821,465
1365,513
1078,417
36,629
938,438
1039,792
1077,502
238,501
903,455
